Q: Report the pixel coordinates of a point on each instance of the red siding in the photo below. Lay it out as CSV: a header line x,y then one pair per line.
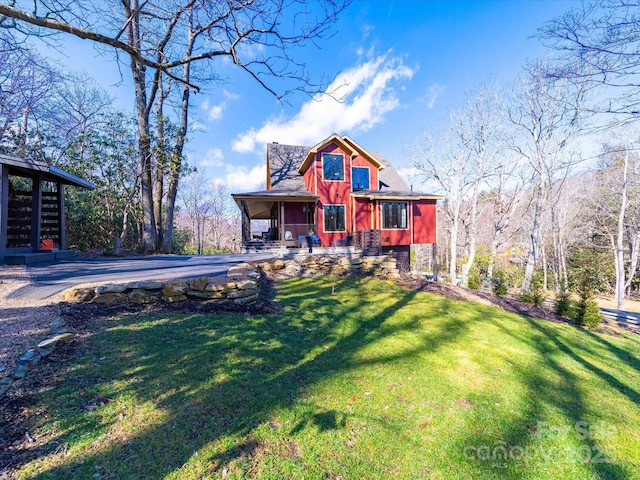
x,y
424,221
363,213
396,237
293,213
332,193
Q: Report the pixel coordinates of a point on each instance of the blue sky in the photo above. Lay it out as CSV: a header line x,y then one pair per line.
x,y
403,65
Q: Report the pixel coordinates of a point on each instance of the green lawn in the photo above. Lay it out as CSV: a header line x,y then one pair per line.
x,y
373,382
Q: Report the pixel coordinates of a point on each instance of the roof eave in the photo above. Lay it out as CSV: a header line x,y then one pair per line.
x,y
46,171
363,152
334,137
396,196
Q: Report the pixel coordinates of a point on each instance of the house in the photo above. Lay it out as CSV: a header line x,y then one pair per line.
x,y
32,214
341,193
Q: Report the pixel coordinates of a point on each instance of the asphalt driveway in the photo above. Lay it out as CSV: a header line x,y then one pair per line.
x,y
49,279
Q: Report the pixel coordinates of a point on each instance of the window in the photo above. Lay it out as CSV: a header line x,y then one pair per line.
x,y
333,166
394,214
334,218
360,178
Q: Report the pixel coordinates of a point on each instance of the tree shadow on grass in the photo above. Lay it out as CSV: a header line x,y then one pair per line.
x,y
214,379
623,355
527,443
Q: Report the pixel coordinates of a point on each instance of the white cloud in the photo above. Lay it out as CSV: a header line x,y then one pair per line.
x,y
240,179
433,92
213,158
362,96
216,112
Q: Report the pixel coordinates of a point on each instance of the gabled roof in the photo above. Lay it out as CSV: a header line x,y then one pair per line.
x,y
370,156
389,178
347,144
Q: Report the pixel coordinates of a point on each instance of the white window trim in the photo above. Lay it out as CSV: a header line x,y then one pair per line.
x,y
368,175
324,218
382,216
344,172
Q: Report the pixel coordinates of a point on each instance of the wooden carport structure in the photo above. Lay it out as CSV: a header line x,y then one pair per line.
x,y
32,210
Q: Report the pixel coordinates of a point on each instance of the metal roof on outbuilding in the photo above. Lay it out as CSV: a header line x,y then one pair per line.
x,y
26,167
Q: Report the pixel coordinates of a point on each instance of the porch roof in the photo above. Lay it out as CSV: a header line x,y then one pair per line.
x,y
31,168
391,195
258,204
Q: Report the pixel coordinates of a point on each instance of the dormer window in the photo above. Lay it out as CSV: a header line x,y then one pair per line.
x,y
359,178
333,167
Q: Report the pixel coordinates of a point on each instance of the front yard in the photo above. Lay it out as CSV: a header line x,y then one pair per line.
x,y
375,381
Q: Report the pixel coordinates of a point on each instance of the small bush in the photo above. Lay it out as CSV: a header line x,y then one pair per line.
x,y
563,303
474,282
109,251
535,294
180,238
588,312
500,282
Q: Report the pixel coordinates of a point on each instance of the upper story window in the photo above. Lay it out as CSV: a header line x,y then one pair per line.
x,y
360,178
333,166
394,214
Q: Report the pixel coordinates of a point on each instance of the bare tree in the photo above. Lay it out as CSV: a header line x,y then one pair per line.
x,y
616,202
26,84
597,46
168,37
501,204
547,113
461,164
480,127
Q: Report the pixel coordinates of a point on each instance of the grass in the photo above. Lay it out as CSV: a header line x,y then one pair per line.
x,y
373,382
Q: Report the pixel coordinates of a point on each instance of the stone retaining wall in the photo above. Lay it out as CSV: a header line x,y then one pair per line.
x,y
241,286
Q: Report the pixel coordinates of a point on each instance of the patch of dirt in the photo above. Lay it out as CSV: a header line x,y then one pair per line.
x,y
23,322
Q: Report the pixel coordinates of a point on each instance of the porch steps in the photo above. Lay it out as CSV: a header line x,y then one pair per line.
x,y
28,258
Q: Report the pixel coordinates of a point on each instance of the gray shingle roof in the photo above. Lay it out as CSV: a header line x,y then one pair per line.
x,y
284,162
389,178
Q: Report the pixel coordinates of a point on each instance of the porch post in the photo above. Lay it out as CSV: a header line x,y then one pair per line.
x,y
62,219
4,209
36,213
280,220
436,262
245,222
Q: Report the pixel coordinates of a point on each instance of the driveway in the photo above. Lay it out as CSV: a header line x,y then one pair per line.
x,y
627,319
50,279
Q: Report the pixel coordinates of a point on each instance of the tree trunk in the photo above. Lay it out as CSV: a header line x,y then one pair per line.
x,y
453,251
619,241
532,256
158,190
471,237
138,70
176,170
